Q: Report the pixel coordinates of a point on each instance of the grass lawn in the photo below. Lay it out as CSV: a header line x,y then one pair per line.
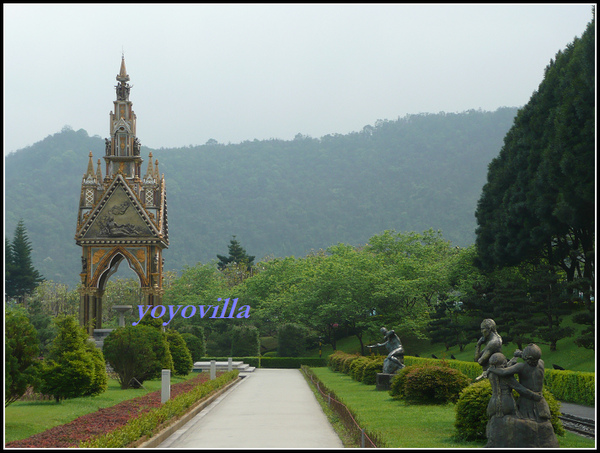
x,y
26,418
404,425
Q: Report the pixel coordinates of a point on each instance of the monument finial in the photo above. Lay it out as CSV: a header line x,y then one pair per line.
x,y
123,76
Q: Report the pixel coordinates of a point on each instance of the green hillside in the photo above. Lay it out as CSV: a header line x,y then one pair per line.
x,y
278,197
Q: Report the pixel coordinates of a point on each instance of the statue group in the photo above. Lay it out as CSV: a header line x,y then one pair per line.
x,y
524,423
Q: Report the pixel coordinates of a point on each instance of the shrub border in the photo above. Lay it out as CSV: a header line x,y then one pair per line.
x,y
197,407
138,433
578,387
273,362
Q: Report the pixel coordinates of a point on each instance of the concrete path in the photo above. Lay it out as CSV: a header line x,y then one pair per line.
x,y
578,410
269,408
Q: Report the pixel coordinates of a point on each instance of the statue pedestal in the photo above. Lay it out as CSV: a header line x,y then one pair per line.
x,y
512,432
382,381
121,310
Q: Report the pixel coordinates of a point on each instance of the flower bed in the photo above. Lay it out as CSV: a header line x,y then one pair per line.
x,y
104,420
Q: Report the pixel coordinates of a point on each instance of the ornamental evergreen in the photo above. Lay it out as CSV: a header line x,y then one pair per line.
x,y
21,350
20,277
74,366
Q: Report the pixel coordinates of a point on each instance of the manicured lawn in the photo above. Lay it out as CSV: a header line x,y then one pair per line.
x,y
26,418
408,426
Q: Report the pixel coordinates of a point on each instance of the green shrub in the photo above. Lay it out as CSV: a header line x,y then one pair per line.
x,y
357,366
471,411
195,344
431,384
471,369
73,368
139,352
182,358
290,362
273,362
148,423
245,340
69,377
572,386
99,382
291,340
21,350
270,354
347,362
369,374
335,360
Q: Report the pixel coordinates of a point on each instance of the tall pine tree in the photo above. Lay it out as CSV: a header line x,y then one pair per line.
x,y
237,254
21,277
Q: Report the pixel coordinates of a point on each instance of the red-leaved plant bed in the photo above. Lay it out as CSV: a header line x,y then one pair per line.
x,y
103,420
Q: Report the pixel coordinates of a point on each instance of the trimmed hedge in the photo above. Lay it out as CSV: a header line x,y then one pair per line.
x,y
576,387
273,362
360,368
437,384
572,386
357,366
370,370
569,386
148,423
471,369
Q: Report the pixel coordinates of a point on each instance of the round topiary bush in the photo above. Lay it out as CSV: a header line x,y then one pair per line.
x,y
139,352
357,366
471,411
347,362
429,384
336,360
471,416
398,382
371,369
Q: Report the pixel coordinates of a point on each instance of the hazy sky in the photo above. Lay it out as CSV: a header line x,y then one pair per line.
x,y
236,72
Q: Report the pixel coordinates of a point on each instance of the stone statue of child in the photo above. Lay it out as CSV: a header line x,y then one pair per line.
x,y
502,402
395,358
531,376
493,343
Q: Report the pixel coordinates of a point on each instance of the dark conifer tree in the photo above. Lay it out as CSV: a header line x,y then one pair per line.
x,y
237,254
21,277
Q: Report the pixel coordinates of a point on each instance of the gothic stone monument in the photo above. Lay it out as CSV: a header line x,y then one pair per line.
x,y
122,216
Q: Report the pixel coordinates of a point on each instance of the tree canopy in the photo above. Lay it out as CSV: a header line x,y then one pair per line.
x,y
539,199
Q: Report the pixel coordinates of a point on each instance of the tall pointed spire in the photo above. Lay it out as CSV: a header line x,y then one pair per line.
x,y
99,173
123,76
150,172
90,167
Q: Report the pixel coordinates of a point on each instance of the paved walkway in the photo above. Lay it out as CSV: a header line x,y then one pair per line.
x,y
270,408
578,410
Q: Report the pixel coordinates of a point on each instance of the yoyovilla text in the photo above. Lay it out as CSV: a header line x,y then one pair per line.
x,y
158,311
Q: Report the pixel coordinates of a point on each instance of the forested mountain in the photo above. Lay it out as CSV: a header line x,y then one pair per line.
x,y
278,197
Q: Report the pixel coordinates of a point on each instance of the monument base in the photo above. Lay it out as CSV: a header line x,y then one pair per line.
x,y
382,381
512,432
